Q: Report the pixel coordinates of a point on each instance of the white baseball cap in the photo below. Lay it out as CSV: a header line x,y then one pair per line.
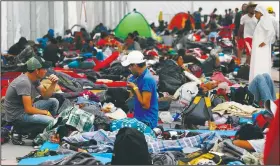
x,y
118,114
134,57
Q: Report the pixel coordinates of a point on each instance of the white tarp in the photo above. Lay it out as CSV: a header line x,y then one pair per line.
x,y
32,19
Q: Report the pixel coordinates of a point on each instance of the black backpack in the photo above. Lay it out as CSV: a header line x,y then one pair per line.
x,y
242,95
130,148
198,112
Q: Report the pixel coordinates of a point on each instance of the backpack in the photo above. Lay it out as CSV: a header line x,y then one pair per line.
x,y
242,95
198,112
4,135
130,148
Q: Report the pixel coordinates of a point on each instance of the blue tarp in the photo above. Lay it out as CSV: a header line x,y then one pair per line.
x,y
102,157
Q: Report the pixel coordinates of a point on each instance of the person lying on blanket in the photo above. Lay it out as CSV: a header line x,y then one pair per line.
x,y
19,100
251,138
144,88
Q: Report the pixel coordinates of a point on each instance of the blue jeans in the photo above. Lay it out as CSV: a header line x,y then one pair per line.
x,y
262,87
50,104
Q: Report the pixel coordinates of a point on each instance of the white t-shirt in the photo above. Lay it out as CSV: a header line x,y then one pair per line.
x,y
250,24
258,145
276,25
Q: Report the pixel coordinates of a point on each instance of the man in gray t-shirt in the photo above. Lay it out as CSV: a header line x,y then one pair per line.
x,y
19,100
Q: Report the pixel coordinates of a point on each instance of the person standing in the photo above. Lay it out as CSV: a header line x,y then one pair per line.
x,y
261,47
213,15
197,18
274,21
239,41
230,13
248,24
234,14
224,22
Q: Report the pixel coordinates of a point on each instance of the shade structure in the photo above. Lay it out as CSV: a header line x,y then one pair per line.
x,y
131,22
178,21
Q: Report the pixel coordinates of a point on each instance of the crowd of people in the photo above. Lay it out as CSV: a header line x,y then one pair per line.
x,y
145,66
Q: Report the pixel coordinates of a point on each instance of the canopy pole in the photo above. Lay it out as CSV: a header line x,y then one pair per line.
x,y
192,7
65,15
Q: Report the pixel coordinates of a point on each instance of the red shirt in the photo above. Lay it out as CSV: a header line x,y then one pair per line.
x,y
114,42
102,42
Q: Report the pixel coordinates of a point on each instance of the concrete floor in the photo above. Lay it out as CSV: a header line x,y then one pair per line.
x,y
9,152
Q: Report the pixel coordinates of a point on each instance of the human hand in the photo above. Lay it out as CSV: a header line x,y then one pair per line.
x,y
131,85
53,78
48,113
262,44
106,109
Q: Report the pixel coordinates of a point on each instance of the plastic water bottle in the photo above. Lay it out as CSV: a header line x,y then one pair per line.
x,y
221,54
176,116
235,71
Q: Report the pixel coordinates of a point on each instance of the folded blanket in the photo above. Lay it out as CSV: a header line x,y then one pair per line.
x,y
233,108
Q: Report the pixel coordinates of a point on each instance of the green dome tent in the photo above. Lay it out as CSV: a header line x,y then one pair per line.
x,y
131,22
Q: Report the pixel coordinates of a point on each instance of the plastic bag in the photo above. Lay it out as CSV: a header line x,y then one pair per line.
x,y
166,117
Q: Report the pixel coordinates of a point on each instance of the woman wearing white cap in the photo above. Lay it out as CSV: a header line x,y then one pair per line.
x,y
261,47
